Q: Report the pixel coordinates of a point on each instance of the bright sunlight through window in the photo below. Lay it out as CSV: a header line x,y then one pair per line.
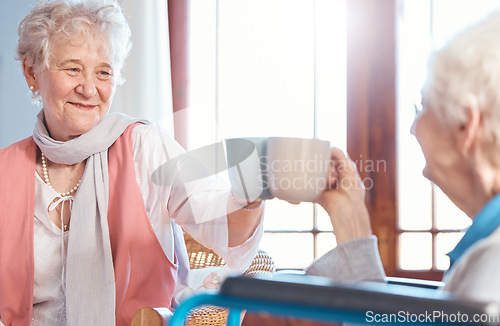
x,y
271,68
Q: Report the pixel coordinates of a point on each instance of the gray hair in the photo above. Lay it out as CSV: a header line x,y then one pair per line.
x,y
61,20
467,69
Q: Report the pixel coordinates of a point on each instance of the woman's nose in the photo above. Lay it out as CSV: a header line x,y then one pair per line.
x,y
87,87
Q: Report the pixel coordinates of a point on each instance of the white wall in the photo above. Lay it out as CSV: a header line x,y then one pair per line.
x,y
17,114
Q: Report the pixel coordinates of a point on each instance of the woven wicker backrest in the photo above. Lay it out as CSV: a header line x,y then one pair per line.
x,y
200,257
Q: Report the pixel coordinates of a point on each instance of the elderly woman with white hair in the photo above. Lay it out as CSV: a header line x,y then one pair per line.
x,y
458,130
90,229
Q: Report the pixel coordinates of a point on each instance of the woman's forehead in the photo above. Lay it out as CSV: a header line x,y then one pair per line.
x,y
81,48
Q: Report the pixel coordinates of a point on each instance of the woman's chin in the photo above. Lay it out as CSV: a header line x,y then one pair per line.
x,y
427,173
430,175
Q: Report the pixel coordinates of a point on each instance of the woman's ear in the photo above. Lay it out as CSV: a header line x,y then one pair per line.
x,y
29,74
468,130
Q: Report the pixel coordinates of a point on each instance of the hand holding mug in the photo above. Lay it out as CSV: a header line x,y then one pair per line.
x,y
344,199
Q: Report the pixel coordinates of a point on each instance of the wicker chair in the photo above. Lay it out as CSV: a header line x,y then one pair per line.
x,y
201,257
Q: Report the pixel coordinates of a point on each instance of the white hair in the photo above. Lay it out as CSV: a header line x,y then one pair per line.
x,y
62,20
465,69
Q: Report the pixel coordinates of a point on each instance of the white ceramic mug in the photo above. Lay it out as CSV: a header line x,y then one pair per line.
x,y
245,168
297,168
292,169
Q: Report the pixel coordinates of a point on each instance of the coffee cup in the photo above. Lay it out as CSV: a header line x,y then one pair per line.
x,y
297,168
292,169
243,156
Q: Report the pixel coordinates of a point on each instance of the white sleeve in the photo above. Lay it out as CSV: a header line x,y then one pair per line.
x,y
176,186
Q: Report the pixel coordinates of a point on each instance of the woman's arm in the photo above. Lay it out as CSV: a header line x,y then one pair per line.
x,y
177,186
356,256
242,219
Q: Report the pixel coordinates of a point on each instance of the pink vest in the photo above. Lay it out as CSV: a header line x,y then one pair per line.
x,y
143,274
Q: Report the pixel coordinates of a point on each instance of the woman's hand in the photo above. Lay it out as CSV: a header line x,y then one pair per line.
x,y
344,200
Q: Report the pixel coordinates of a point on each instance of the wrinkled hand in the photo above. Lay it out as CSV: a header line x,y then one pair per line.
x,y
344,199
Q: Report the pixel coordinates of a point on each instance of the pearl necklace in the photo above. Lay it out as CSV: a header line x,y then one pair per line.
x,y
47,180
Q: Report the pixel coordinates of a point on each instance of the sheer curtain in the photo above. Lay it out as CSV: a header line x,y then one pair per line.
x,y
147,91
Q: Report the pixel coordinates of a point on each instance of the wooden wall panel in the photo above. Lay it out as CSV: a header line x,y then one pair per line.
x,y
371,113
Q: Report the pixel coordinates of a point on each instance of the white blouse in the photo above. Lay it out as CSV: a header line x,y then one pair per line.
x,y
203,215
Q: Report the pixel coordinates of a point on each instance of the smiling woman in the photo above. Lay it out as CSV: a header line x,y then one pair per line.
x,y
90,221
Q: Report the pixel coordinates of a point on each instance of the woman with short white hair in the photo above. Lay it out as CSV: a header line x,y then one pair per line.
x,y
92,203
458,130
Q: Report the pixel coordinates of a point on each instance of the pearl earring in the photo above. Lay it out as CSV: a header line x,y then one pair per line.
x,y
32,88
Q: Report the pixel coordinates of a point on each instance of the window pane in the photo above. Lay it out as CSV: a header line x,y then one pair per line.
x,y
273,78
266,77
448,216
324,243
331,71
415,206
415,251
415,199
445,242
289,250
323,220
281,215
